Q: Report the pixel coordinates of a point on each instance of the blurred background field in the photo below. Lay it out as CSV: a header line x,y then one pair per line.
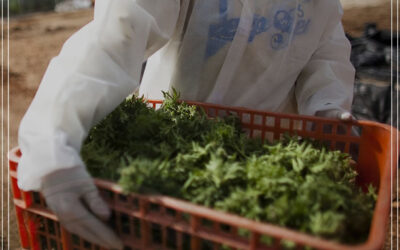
x,y
18,7
23,7
37,34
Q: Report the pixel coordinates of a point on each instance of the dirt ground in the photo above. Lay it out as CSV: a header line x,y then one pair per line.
x,y
354,18
35,39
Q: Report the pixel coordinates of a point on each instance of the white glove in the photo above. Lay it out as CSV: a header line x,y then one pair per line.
x,y
73,197
336,114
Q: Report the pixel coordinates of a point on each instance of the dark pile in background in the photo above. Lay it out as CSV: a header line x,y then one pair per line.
x,y
177,151
374,56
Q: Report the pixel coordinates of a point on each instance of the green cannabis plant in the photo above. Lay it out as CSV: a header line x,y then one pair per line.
x,y
177,150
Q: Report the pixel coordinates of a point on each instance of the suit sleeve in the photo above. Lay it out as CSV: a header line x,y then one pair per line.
x,y
97,68
327,81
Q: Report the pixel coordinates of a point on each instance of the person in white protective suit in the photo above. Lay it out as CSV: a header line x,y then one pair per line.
x,y
287,56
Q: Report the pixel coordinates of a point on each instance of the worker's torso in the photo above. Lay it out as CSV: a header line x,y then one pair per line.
x,y
239,52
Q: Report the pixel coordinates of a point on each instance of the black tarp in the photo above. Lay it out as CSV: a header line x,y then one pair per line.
x,y
374,55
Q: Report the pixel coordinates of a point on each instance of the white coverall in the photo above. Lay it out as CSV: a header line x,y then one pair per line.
x,y
276,55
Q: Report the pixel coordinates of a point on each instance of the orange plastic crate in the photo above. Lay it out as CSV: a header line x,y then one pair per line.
x,y
160,222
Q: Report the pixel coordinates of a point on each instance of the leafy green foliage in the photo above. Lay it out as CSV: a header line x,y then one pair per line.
x,y
178,151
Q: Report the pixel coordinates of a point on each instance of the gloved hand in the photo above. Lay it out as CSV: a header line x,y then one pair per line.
x,y
73,197
336,114
344,116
